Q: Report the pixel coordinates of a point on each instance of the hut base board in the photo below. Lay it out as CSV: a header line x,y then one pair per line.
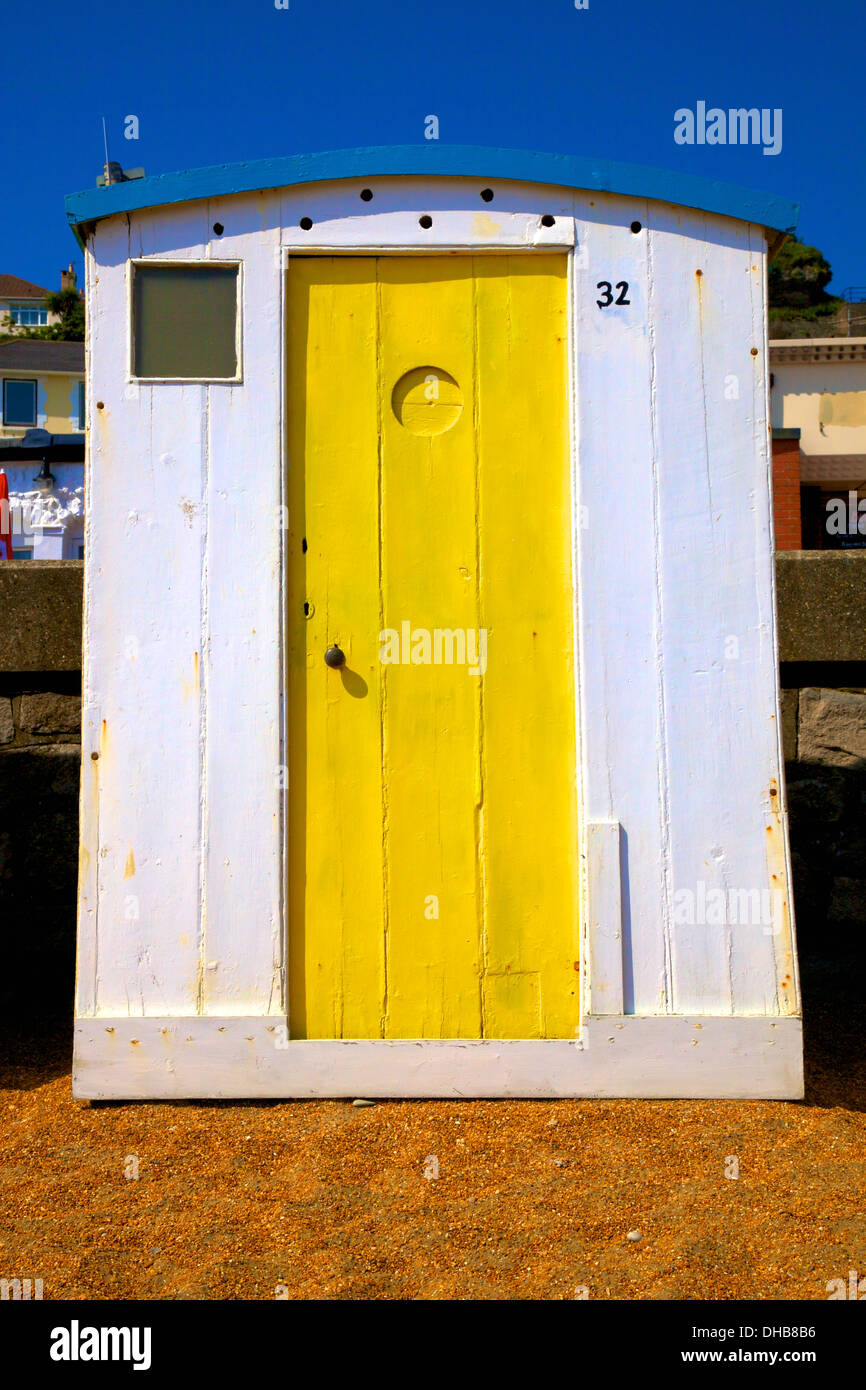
x,y
248,1058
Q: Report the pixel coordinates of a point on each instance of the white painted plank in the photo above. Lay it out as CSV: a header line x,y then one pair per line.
x,y
87,915
460,217
142,658
171,1058
777,829
604,917
717,648
619,680
243,794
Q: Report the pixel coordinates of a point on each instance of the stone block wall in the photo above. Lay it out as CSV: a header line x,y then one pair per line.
x,y
824,734
40,755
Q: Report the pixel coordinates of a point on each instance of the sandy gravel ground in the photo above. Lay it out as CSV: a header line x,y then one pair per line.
x,y
532,1199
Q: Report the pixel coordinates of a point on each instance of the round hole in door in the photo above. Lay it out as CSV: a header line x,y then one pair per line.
x,y
427,401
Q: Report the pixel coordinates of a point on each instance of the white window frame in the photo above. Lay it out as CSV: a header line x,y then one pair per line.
x,y
185,263
16,310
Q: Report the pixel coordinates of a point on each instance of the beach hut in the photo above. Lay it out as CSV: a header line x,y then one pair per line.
x,y
431,736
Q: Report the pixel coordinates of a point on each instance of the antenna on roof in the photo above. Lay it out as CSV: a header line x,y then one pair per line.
x,y
111,170
111,173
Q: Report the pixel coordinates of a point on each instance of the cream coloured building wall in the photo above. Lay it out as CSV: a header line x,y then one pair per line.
x,y
819,387
56,402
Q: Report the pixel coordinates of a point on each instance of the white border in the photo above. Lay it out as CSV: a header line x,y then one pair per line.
x,y
175,262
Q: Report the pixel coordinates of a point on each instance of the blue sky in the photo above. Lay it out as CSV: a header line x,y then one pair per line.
x,y
221,80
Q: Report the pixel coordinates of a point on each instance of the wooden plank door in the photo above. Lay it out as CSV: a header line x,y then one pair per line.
x,y
432,805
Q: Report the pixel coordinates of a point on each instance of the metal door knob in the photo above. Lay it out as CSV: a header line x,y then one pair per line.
x,y
334,657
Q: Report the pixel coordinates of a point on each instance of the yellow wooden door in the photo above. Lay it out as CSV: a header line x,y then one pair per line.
x,y
432,803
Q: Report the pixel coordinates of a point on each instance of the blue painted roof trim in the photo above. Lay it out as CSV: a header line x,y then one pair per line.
x,y
433,159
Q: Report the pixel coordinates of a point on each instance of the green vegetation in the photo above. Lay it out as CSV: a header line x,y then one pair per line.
x,y
800,306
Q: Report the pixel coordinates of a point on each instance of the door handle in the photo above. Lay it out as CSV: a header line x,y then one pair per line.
x,y
334,656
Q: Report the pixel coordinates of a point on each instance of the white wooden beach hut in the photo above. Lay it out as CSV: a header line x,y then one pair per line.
x,y
431,735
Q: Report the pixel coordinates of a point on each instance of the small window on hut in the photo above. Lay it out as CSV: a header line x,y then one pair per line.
x,y
184,322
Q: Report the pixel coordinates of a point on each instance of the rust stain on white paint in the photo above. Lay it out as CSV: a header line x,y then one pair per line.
x,y
192,687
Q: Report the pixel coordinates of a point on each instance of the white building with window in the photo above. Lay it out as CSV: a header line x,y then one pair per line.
x,y
42,388
23,304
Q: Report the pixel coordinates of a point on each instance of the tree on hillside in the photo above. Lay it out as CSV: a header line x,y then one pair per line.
x,y
798,297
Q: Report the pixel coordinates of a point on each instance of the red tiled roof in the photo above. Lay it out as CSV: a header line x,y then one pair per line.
x,y
13,287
